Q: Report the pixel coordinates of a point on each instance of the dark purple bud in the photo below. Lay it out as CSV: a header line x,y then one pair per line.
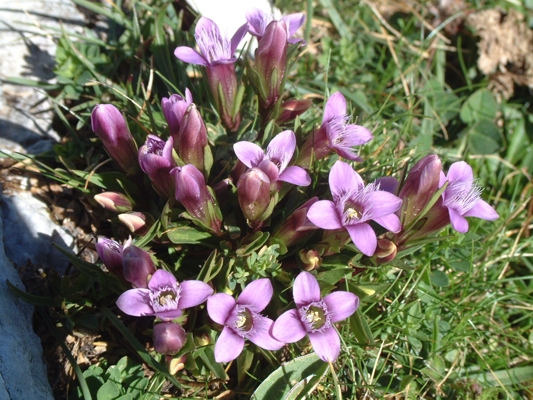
x,y
111,254
138,266
193,142
110,126
315,147
174,109
169,338
271,62
290,109
113,201
155,159
419,187
253,190
385,251
194,195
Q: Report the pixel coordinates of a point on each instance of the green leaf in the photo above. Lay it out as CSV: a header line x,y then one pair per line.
x,y
440,279
511,376
280,383
479,106
108,391
484,138
32,299
254,243
360,328
186,235
207,355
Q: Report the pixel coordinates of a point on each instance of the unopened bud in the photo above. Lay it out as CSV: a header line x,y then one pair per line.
x,y
385,251
138,266
113,201
169,338
311,259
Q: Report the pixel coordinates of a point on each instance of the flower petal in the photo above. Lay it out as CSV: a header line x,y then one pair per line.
x,y
305,289
256,21
135,302
288,328
381,203
482,210
341,305
335,107
260,334
193,293
229,345
281,148
189,55
460,171
169,315
294,22
327,344
256,295
295,175
237,37
459,223
161,278
387,184
324,215
249,153
343,178
390,222
219,307
364,237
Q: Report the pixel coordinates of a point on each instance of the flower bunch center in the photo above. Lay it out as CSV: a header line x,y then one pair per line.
x,y
244,321
165,298
315,316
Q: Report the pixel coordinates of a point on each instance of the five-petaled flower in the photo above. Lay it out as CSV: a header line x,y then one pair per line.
x,y
241,320
315,316
353,206
164,298
274,163
462,197
335,134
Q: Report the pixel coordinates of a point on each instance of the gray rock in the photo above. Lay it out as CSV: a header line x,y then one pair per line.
x,y
22,371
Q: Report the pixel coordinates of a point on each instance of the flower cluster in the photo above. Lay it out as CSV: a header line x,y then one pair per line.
x,y
231,196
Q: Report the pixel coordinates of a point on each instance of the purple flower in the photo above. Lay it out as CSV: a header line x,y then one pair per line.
x,y
155,159
214,48
169,338
259,20
109,124
197,198
138,265
315,317
174,109
335,134
241,320
216,54
462,197
274,162
164,298
111,254
353,206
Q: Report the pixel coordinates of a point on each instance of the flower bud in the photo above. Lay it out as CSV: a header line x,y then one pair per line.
x,y
385,251
168,337
224,86
420,185
155,159
253,190
136,222
193,194
138,266
113,201
174,109
193,143
271,62
311,259
290,109
111,254
110,126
